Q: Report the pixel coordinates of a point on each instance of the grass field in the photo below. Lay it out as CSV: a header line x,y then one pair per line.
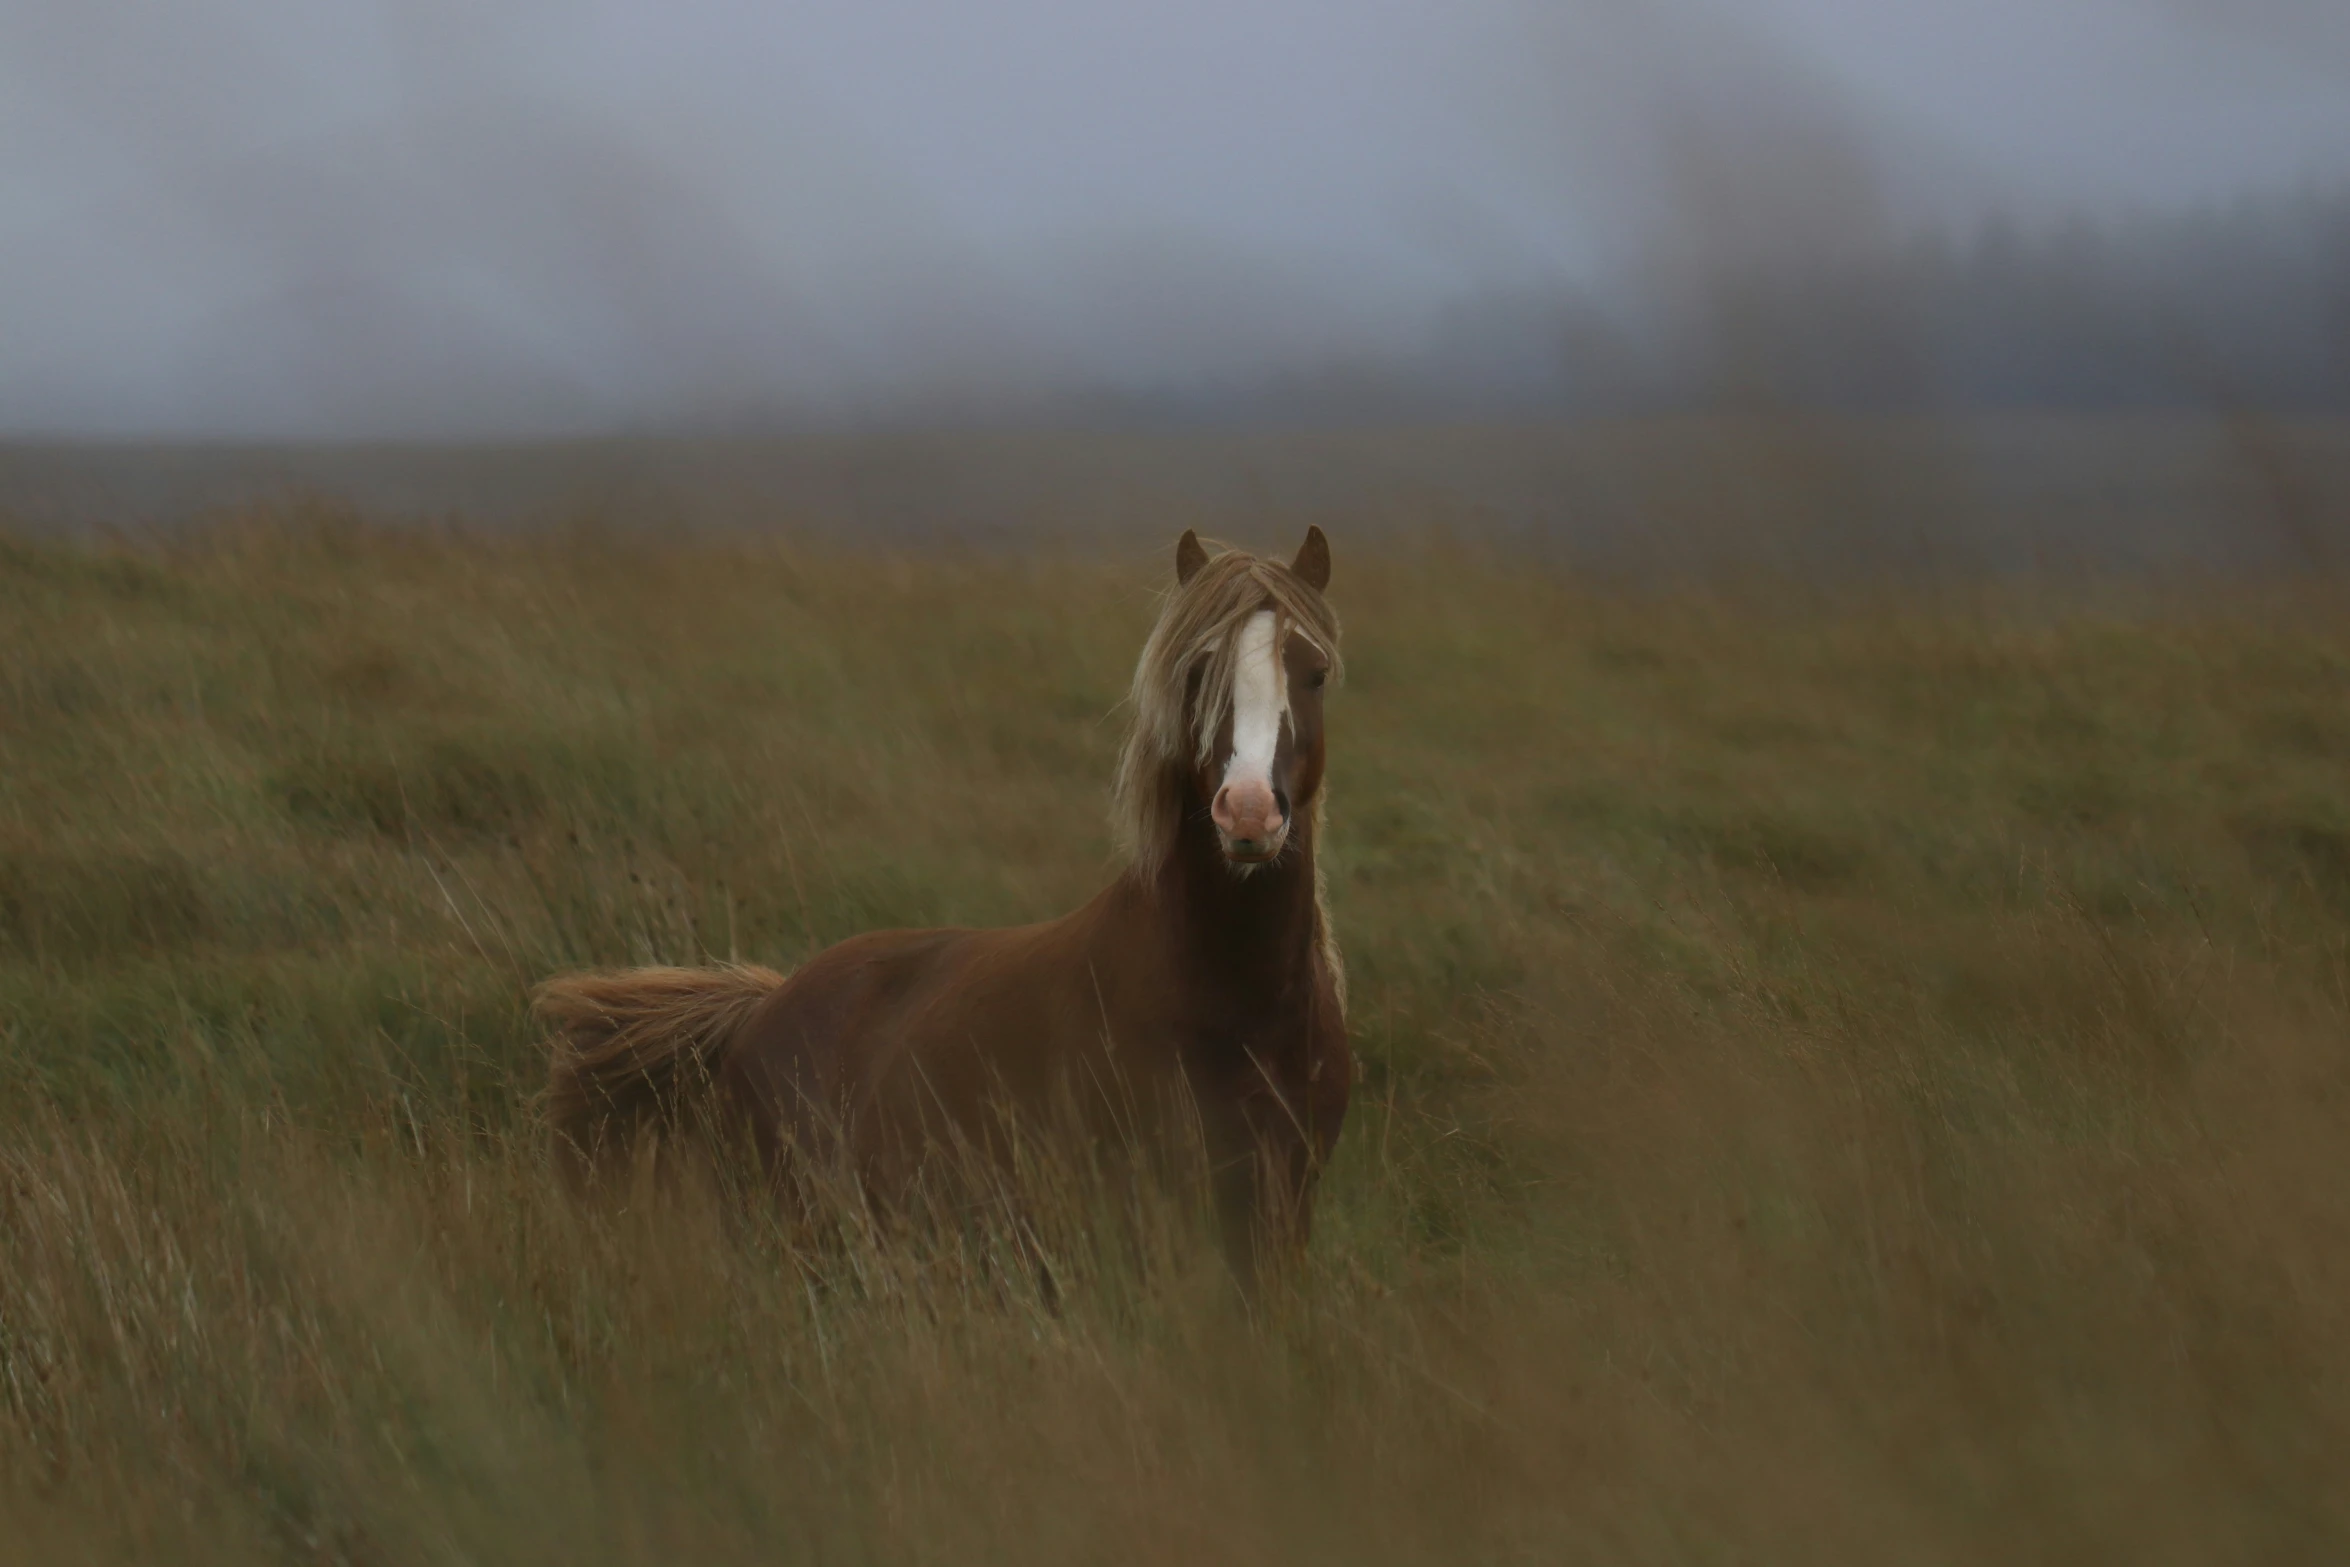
x,y
1848,1076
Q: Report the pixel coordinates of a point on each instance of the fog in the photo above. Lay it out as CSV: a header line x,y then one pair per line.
x,y
264,218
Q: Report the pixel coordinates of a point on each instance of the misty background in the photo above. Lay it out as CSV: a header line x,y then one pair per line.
x,y
2001,283
502,218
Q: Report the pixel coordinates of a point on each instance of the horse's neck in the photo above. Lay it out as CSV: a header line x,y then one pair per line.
x,y
1253,936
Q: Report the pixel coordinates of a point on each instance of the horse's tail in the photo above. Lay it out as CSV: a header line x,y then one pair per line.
x,y
631,1046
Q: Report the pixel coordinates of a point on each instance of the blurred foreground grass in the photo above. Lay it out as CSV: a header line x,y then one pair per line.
x,y
1848,1078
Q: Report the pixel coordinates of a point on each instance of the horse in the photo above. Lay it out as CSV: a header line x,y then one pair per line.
x,y
1205,975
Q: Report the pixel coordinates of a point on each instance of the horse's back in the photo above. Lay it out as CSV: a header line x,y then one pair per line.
x,y
911,1029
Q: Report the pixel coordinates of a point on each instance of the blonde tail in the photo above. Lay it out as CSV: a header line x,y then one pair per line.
x,y
630,1045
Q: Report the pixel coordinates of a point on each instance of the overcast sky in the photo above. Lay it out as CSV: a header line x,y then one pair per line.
x,y
307,217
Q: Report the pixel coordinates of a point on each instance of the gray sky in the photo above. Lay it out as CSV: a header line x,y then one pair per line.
x,y
305,217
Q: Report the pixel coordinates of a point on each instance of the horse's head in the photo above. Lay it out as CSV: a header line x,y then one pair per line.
x,y
1227,704
1253,694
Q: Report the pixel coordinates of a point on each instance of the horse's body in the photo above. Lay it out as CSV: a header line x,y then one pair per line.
x,y
1198,994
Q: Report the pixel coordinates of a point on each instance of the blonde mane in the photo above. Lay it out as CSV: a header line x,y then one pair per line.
x,y
1199,628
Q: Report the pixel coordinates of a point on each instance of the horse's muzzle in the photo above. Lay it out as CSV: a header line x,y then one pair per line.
x,y
1251,825
1253,851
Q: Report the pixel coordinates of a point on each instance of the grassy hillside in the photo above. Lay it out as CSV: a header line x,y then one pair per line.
x,y
1846,1079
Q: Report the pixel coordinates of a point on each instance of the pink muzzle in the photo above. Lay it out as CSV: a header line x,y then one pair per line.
x,y
1247,814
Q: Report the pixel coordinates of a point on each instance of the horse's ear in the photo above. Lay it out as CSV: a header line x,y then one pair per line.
x,y
1313,560
1190,555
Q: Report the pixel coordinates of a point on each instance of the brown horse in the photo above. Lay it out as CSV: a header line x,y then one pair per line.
x,y
1204,976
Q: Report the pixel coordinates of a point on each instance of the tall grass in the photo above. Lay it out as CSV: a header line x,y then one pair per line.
x,y
1846,1078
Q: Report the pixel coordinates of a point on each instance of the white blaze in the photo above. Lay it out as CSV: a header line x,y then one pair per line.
x,y
1259,697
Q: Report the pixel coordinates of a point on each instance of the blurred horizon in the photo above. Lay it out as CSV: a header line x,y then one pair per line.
x,y
434,222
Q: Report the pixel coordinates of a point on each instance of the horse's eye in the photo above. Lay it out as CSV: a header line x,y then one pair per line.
x,y
1314,680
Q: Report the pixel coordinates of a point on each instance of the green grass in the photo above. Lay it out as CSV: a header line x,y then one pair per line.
x,y
1847,1076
